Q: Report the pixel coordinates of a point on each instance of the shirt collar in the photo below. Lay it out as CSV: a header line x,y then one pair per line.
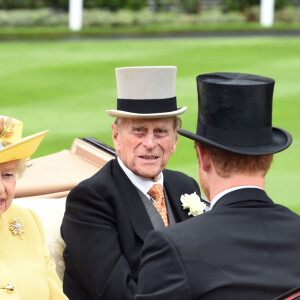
x,y
220,195
143,184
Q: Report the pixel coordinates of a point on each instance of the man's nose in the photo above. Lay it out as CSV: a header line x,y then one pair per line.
x,y
149,141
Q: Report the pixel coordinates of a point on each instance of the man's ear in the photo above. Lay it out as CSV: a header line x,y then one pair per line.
x,y
203,156
115,135
174,146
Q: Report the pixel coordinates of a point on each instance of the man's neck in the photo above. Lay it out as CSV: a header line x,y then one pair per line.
x,y
143,184
220,184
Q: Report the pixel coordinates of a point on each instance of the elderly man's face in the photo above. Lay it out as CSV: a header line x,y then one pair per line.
x,y
7,184
145,145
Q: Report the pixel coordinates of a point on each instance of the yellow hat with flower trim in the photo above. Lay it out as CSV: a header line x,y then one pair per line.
x,y
12,145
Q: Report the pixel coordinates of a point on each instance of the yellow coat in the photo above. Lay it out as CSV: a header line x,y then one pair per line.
x,y
24,263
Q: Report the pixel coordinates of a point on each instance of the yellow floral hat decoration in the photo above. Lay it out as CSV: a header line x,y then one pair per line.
x,y
12,145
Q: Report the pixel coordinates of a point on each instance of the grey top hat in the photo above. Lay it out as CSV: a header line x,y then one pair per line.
x,y
235,114
146,92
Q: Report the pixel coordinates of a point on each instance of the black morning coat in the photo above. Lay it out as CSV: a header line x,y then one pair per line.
x,y
104,227
245,248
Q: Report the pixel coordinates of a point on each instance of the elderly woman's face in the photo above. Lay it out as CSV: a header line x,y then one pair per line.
x,y
7,184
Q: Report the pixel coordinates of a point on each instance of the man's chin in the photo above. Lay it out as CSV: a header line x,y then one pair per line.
x,y
148,174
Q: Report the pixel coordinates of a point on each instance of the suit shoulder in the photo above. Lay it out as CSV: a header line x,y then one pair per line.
x,y
171,174
181,181
187,230
104,186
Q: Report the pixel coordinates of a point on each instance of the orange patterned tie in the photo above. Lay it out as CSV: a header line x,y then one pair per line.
x,y
157,193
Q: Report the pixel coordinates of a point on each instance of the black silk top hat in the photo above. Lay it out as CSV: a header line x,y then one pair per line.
x,y
235,114
146,92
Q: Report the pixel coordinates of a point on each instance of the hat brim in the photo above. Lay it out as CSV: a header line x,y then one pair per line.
x,y
281,140
125,114
22,149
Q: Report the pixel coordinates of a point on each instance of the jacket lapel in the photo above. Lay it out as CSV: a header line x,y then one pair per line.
x,y
140,221
174,198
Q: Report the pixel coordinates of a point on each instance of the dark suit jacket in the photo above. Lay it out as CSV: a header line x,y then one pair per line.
x,y
104,228
245,248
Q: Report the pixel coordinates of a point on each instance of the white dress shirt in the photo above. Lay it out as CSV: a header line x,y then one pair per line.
x,y
143,184
217,197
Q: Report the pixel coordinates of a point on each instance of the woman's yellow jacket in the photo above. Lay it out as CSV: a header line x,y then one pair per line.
x,y
25,267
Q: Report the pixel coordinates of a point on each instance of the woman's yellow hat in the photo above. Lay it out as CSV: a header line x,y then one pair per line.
x,y
12,145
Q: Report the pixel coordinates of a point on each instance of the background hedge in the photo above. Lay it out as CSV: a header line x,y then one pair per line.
x,y
188,6
124,17
64,4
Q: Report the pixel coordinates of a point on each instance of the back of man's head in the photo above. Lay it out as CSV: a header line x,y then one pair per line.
x,y
229,163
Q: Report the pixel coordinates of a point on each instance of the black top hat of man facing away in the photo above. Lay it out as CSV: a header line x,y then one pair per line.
x,y
235,114
251,246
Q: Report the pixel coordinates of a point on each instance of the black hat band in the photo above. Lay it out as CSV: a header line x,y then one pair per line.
x,y
147,106
237,137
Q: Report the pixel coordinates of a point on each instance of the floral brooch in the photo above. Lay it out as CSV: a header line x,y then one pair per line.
x,y
6,131
17,227
193,203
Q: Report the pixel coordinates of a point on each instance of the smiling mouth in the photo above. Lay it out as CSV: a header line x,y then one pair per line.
x,y
147,157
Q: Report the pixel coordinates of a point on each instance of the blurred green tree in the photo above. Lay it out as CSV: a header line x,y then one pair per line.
x,y
239,5
58,4
135,4
64,4
242,5
189,6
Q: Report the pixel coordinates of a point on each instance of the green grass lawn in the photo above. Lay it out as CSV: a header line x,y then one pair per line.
x,y
66,86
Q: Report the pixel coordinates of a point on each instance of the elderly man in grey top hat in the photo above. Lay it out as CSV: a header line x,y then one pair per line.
x,y
246,247
109,215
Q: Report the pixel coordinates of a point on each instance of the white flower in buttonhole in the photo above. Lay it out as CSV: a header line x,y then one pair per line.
x,y
193,203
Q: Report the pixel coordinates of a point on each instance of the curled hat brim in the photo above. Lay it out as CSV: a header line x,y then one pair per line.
x,y
125,114
22,149
281,140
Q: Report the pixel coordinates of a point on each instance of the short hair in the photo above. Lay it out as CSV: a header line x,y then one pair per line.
x,y
227,162
176,125
20,168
